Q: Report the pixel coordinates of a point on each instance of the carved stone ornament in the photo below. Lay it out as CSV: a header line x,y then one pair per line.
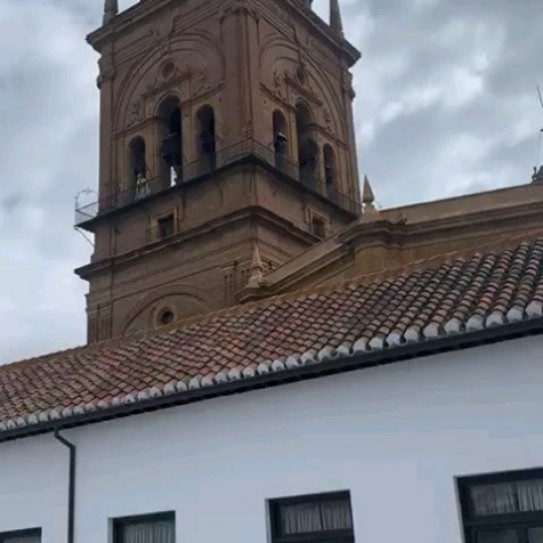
x,y
161,43
167,69
136,113
106,68
279,84
176,20
301,75
300,80
347,81
166,77
328,120
243,6
202,82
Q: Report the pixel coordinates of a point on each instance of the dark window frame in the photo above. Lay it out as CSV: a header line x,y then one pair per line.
x,y
30,532
122,522
335,536
166,226
318,226
520,522
163,313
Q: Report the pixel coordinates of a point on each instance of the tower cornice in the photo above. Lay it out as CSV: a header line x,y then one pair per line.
x,y
126,19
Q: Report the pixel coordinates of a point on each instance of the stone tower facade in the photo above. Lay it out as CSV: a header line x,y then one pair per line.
x,y
226,144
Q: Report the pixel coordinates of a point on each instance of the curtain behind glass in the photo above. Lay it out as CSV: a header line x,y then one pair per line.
x,y
530,495
494,499
507,498
162,531
336,515
315,517
301,518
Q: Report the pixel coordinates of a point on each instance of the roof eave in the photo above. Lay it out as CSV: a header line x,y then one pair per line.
x,y
331,367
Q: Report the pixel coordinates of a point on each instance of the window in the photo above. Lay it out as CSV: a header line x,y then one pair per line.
x,y
503,508
165,317
22,536
318,227
166,227
323,518
147,529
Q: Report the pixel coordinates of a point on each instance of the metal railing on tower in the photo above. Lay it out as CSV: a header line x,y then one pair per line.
x,y
147,187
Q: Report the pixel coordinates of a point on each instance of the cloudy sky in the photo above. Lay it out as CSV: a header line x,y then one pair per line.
x,y
446,105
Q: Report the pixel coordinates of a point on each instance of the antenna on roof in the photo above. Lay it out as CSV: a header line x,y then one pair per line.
x,y
537,177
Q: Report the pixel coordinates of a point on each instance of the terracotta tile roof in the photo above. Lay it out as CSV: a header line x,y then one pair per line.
x,y
432,299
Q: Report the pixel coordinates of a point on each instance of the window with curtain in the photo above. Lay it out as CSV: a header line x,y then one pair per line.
x,y
503,507
21,536
145,529
320,517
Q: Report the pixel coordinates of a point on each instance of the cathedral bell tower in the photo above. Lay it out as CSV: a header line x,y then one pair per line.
x,y
226,130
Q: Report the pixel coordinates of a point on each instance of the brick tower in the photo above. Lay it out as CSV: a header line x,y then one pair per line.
x,y
226,131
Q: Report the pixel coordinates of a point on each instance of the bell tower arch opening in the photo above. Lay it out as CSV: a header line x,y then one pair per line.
x,y
280,140
170,141
137,171
206,136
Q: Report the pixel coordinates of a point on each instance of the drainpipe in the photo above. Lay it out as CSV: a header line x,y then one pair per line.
x,y
71,485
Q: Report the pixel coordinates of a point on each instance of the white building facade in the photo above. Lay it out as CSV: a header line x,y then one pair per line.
x,y
395,439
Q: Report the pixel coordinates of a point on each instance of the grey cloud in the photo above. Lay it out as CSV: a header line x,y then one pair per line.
x,y
459,78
